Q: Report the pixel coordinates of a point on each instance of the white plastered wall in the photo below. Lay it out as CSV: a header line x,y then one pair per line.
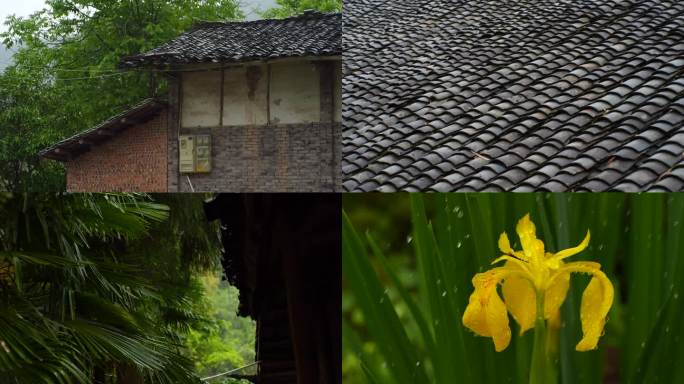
x,y
337,93
295,93
292,87
245,96
201,99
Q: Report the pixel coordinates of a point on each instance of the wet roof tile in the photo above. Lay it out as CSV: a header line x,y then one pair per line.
x,y
540,95
310,34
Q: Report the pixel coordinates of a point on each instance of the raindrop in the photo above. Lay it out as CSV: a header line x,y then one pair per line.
x,y
643,344
676,295
436,322
444,293
417,363
460,214
382,299
459,244
467,236
456,209
409,239
449,228
455,289
439,281
600,247
667,329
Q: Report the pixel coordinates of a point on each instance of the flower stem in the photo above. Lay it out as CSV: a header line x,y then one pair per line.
x,y
541,371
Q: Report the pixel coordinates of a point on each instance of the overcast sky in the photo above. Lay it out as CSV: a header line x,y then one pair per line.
x,y
26,7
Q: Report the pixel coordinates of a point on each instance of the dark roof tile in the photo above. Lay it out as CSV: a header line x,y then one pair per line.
x,y
310,34
575,95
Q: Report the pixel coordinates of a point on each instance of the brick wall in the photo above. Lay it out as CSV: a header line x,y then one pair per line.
x,y
133,160
276,158
265,158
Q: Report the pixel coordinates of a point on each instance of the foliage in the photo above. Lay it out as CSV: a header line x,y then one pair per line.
x,y
227,342
402,314
65,77
287,8
100,285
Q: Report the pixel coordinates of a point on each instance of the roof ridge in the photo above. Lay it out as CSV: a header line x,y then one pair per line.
x,y
309,14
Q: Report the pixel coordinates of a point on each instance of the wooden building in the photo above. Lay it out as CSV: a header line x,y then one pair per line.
x,y
252,107
283,253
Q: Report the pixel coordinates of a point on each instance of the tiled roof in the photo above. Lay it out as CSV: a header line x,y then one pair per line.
x,y
310,34
513,95
84,141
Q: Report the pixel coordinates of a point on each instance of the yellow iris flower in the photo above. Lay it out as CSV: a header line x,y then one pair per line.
x,y
533,272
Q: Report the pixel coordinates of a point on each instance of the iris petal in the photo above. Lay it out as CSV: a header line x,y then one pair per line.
x,y
497,321
527,233
574,250
596,302
486,313
521,301
474,316
555,295
504,244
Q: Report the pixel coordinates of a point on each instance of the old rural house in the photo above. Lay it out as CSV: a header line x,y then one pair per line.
x,y
513,95
252,106
289,280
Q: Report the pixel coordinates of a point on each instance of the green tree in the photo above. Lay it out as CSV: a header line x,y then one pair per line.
x,y
65,77
226,342
101,286
286,8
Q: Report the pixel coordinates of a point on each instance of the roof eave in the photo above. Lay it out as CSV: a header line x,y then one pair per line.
x,y
76,145
157,61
